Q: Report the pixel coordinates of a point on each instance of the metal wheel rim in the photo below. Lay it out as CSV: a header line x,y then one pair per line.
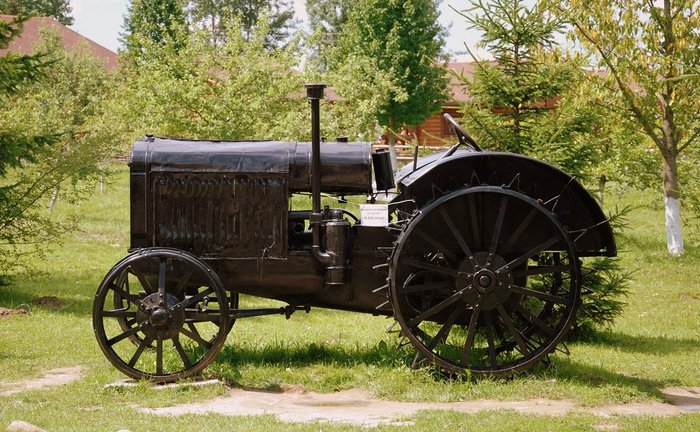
x,y
164,338
528,354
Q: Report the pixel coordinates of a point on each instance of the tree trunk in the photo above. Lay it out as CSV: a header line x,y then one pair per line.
x,y
602,182
54,199
674,234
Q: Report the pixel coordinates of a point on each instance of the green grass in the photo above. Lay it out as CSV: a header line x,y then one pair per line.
x,y
655,344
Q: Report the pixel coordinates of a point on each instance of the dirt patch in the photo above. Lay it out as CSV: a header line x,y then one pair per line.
x,y
49,302
6,313
51,378
687,398
361,408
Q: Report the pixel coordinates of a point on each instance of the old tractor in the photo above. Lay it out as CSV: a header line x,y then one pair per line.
x,y
477,258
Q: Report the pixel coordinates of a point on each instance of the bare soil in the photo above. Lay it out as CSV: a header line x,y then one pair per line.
x,y
49,302
6,313
361,408
51,378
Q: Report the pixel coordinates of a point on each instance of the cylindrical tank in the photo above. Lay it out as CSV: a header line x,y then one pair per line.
x,y
345,167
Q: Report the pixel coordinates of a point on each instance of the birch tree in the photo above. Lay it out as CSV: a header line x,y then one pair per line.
x,y
650,49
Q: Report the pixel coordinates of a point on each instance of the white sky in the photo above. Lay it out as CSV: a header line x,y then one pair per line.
x,y
101,21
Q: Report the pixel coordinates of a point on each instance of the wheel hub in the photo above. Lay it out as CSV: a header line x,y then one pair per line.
x,y
486,287
484,281
160,318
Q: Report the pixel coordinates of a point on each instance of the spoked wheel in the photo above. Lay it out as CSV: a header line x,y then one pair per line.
x,y
170,306
484,279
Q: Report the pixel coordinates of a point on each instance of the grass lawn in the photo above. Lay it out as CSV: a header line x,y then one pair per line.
x,y
655,344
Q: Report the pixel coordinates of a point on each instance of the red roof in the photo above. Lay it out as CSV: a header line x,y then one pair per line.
x,y
72,40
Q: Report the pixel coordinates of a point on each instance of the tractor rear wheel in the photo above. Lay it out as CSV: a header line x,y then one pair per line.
x,y
484,280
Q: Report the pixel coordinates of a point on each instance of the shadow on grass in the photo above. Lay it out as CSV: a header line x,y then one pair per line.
x,y
388,356
645,344
281,354
597,377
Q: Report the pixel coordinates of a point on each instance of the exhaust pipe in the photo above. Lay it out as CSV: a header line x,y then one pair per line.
x,y
314,92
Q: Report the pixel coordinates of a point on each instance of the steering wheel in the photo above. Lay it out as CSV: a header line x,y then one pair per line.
x,y
462,136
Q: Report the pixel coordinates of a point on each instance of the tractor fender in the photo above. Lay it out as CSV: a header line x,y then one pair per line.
x,y
558,191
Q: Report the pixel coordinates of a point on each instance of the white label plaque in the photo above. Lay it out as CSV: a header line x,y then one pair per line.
x,y
374,214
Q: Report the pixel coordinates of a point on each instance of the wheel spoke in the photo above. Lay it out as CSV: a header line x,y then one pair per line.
x,y
499,225
474,218
132,298
194,335
529,254
413,262
142,279
471,332
532,319
521,228
489,338
423,287
119,313
436,309
181,351
445,330
456,234
195,298
505,318
142,346
437,245
159,357
132,331
541,295
162,267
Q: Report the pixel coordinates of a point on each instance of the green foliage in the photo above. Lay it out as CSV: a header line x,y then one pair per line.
x,y
16,144
403,40
153,23
276,16
58,9
66,105
239,90
361,89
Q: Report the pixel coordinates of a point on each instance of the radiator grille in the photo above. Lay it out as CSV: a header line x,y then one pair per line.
x,y
237,216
